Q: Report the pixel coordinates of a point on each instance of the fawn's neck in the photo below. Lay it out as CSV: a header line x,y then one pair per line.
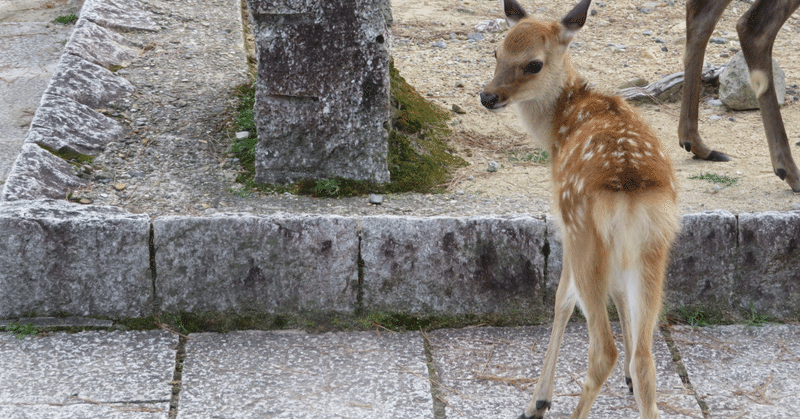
x,y
542,116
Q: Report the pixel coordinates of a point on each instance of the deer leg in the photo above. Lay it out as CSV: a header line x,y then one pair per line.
x,y
602,350
757,31
701,17
644,290
625,324
564,306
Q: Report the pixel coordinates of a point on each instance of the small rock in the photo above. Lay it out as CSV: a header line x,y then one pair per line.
x,y
439,44
494,166
647,33
795,207
459,84
496,25
457,109
85,201
715,117
242,134
660,41
473,177
718,41
475,37
645,10
714,102
375,199
120,186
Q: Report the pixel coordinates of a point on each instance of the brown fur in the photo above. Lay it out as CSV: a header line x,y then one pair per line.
x,y
614,197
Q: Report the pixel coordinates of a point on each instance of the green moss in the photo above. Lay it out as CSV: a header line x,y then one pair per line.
x,y
70,156
419,158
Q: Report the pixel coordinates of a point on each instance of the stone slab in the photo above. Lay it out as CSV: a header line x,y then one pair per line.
x,y
89,375
119,15
491,373
37,174
741,371
29,54
769,263
258,374
99,45
72,321
63,124
452,265
322,107
86,83
57,257
702,267
245,262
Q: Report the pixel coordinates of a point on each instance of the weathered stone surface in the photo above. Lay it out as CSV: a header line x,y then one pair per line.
x,y
769,263
322,95
452,265
119,375
63,124
99,45
735,91
57,257
257,374
86,83
243,262
555,257
491,373
37,174
702,265
116,14
743,371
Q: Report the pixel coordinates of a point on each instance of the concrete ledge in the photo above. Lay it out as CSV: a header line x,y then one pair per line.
x,y
82,260
243,262
36,174
452,265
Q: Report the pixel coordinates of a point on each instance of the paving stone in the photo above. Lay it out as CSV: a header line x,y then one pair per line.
x,y
99,45
491,373
120,15
87,83
63,124
89,375
452,265
769,263
258,374
57,257
743,371
245,262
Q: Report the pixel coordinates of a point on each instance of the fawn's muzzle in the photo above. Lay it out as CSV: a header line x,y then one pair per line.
x,y
489,100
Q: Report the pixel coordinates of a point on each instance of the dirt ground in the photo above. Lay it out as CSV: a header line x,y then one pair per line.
x,y
610,50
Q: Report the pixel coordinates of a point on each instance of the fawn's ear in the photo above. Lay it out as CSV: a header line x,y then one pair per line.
x,y
513,12
573,21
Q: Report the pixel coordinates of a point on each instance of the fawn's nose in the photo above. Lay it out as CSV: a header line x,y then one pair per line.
x,y
488,100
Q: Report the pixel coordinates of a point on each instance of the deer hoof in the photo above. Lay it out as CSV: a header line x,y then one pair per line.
x,y
629,382
717,156
781,173
688,146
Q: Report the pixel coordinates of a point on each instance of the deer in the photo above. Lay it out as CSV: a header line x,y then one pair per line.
x,y
614,201
757,30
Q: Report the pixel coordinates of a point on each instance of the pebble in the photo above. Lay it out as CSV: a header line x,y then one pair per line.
x,y
375,199
647,33
795,207
457,109
715,117
718,41
439,44
714,102
242,134
475,37
493,166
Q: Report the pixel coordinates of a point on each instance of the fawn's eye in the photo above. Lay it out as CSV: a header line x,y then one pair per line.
x,y
533,67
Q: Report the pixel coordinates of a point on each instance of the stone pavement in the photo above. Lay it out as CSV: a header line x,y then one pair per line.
x,y
482,372
30,47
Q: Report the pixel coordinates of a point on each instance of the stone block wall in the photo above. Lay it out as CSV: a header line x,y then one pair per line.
x,y
322,95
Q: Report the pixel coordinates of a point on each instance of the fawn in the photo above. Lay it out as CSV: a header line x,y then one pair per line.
x,y
614,198
757,30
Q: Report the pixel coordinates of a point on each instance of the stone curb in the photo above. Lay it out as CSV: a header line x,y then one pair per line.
x,y
62,258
